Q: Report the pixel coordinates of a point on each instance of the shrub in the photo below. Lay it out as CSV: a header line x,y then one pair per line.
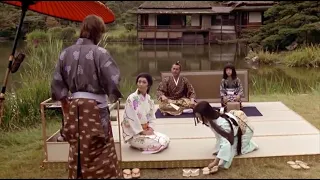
x,y
68,34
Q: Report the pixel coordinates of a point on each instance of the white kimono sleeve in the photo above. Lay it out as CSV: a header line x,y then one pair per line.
x,y
152,114
132,118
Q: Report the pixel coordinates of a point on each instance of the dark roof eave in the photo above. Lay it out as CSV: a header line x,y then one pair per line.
x,y
252,8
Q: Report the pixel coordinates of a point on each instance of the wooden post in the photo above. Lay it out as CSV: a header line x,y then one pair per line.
x,y
138,26
221,29
209,38
168,35
155,36
196,39
182,39
209,55
119,135
44,132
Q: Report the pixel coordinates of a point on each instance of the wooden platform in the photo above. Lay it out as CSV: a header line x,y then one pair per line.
x,y
280,133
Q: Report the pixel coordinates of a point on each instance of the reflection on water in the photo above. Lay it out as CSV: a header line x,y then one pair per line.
x,y
133,59
155,59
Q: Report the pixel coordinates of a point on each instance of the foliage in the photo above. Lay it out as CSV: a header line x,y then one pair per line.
x,y
129,26
68,34
288,22
52,22
36,37
304,57
10,15
121,8
22,104
308,56
119,34
55,32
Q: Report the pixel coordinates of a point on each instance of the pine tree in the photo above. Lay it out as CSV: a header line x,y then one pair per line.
x,y
288,22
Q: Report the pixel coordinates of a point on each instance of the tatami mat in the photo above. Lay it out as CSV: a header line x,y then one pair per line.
x,y
202,149
279,132
189,131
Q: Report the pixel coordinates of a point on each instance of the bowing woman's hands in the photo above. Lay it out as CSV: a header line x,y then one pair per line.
x,y
148,131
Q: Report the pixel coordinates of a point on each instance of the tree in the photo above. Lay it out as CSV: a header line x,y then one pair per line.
x,y
288,22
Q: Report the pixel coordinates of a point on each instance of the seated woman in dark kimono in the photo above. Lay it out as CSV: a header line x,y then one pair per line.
x,y
231,89
92,76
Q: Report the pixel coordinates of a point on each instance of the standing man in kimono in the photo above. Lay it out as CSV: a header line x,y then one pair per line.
x,y
175,91
92,76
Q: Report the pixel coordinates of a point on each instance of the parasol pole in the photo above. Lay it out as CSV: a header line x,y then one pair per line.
x,y
25,5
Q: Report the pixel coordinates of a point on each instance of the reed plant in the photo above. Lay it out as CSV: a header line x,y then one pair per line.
x,y
307,56
120,34
23,101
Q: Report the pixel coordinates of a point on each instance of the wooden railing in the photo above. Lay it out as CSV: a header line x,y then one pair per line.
x,y
223,22
168,27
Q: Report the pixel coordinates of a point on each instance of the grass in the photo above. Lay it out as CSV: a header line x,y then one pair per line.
x,y
282,80
120,34
22,151
303,57
22,104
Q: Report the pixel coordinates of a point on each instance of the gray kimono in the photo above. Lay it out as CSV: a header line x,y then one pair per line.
x,y
85,67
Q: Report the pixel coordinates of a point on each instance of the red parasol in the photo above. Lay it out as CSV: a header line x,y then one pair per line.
x,y
69,10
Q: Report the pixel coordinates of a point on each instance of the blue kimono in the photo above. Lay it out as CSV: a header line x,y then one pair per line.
x,y
225,151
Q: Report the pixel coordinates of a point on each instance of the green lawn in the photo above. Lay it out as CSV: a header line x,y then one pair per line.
x,y
22,152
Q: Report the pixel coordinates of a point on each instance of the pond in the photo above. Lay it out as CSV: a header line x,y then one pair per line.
x,y
134,58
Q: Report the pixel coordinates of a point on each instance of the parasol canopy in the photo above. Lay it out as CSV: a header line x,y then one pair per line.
x,y
70,10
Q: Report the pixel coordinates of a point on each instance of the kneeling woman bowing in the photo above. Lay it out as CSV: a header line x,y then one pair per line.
x,y
232,132
139,114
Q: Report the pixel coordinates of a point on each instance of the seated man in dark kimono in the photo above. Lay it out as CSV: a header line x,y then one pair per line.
x,y
175,93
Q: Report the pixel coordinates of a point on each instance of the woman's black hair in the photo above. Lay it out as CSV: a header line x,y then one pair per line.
x,y
205,110
234,72
148,78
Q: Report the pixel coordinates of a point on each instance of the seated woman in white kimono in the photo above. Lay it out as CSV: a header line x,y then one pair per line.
x,y
232,131
138,119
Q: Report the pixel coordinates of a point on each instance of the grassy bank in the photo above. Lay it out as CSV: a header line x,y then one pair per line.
x,y
120,34
22,151
303,57
22,104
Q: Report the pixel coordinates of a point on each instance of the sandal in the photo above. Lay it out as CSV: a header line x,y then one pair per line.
x,y
127,174
195,172
294,165
186,172
135,173
211,165
17,62
206,171
214,170
302,164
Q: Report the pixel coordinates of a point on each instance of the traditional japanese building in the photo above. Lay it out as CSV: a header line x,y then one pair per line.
x,y
197,22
